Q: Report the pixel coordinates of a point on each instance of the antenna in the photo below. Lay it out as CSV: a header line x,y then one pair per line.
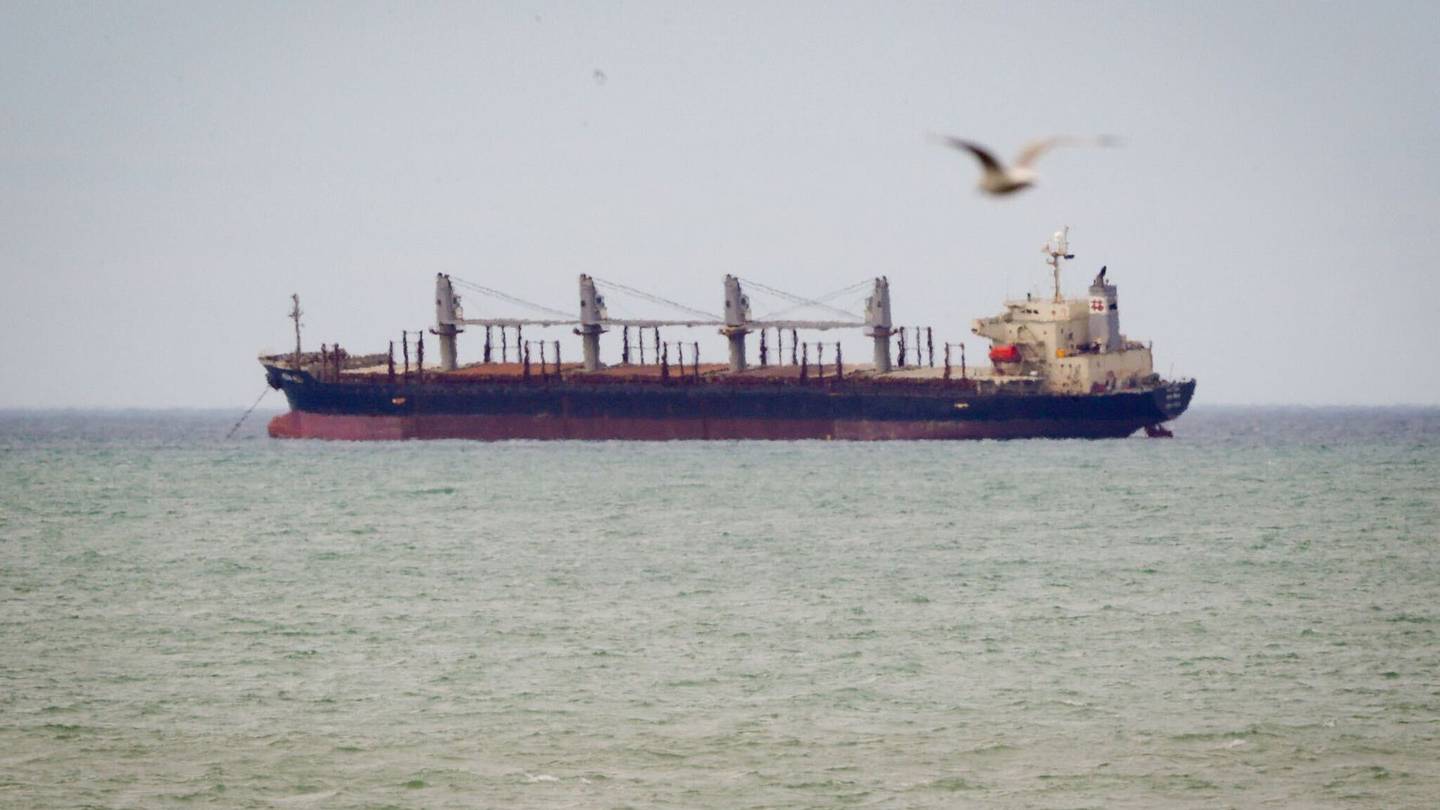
x,y
295,314
1058,248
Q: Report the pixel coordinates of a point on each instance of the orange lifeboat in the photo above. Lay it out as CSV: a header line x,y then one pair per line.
x,y
1005,353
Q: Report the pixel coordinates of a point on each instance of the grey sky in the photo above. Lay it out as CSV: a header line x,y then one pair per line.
x,y
169,174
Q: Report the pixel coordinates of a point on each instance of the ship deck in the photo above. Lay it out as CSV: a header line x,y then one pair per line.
x,y
649,372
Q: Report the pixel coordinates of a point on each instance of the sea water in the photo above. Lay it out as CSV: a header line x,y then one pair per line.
x,y
1246,614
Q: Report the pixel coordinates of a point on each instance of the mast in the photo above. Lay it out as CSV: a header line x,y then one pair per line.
x,y
295,314
447,312
1058,248
592,314
737,314
877,323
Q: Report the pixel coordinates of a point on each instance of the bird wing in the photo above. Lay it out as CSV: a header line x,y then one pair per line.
x,y
1035,149
986,159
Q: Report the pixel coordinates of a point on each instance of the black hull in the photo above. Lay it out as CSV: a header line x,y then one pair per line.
x,y
488,410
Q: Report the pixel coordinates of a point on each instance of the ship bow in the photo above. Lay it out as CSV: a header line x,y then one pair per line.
x,y
1173,398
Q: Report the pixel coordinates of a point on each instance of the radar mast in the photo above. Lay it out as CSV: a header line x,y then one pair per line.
x,y
1058,248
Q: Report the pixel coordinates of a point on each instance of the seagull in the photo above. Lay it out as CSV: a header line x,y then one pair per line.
x,y
999,179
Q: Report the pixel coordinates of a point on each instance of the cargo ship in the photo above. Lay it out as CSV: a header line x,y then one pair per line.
x,y
1056,367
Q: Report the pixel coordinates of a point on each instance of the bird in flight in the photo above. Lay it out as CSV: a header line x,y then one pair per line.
x,y
999,179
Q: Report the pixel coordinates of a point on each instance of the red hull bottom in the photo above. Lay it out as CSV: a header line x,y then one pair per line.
x,y
300,425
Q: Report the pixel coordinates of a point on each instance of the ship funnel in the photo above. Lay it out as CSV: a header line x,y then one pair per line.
x,y
1104,314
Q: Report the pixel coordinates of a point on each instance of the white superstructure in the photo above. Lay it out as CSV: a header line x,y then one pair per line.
x,y
1071,345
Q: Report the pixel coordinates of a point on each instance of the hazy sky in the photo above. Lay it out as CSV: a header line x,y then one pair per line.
x,y
170,173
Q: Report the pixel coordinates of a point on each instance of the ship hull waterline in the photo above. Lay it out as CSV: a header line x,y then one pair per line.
x,y
497,412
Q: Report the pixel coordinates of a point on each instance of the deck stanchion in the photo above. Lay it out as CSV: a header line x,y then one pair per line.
x,y
794,339
420,356
839,363
390,365
624,345
487,344
947,361
930,344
